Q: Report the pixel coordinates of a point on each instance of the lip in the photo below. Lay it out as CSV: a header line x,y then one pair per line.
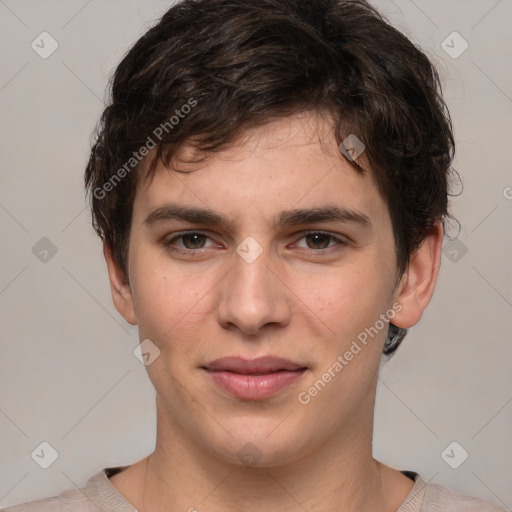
x,y
263,364
254,379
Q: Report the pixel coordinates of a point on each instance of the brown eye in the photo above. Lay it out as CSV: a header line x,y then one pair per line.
x,y
188,243
193,240
318,240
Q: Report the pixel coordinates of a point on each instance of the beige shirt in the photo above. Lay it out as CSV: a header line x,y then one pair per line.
x,y
99,495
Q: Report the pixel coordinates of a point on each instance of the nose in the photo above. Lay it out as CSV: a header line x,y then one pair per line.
x,y
253,297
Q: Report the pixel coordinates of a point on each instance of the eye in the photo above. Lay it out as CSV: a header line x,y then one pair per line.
x,y
190,241
194,242
320,241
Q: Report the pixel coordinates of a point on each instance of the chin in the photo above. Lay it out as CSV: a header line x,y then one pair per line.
x,y
261,450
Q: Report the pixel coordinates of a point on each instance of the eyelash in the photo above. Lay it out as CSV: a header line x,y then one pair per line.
x,y
327,250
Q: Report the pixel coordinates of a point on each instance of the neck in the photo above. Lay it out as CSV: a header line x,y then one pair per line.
x,y
182,476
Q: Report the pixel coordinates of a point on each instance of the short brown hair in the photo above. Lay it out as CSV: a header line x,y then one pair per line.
x,y
240,64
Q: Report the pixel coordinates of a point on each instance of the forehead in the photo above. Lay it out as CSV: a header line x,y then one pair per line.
x,y
292,162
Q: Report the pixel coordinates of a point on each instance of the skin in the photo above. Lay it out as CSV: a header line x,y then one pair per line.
x,y
294,301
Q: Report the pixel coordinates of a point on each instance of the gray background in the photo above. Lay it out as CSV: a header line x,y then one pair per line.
x,y
69,376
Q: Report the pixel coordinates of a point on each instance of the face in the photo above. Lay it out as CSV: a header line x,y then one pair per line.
x,y
291,277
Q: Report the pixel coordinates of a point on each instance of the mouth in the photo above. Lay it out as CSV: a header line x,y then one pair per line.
x,y
256,379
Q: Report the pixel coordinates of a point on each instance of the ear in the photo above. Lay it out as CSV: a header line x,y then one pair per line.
x,y
417,285
119,287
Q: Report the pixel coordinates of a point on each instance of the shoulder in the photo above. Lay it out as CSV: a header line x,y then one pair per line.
x,y
437,496
67,501
428,497
96,495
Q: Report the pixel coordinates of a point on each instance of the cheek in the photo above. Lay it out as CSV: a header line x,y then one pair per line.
x,y
353,313
174,302
165,301
350,297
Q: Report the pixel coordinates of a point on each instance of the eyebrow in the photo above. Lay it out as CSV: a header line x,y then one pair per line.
x,y
195,215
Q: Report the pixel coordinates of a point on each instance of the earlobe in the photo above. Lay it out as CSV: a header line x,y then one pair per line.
x,y
119,287
418,282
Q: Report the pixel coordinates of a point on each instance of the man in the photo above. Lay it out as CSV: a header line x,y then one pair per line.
x,y
269,182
